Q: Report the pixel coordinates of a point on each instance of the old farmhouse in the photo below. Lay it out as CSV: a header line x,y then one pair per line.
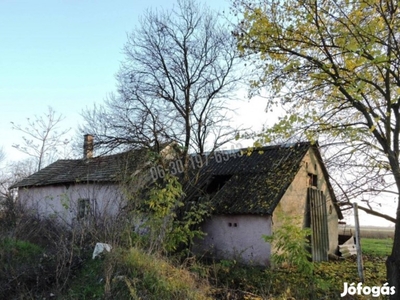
x,y
254,192
249,190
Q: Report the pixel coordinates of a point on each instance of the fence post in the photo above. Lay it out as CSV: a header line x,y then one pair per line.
x,y
358,244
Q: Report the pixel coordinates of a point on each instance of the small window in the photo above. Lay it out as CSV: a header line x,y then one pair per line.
x,y
312,180
83,208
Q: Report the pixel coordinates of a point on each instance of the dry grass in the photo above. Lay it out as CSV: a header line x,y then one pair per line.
x,y
152,277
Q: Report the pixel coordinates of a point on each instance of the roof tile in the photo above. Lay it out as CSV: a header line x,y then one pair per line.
x,y
99,169
258,179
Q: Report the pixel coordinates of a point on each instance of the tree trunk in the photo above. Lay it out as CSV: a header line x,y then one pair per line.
x,y
393,261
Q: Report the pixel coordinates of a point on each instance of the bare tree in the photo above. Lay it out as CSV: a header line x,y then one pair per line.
x,y
3,188
2,155
13,171
360,173
42,138
181,68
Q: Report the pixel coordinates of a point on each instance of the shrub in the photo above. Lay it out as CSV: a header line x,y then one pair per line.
x,y
19,267
151,277
291,246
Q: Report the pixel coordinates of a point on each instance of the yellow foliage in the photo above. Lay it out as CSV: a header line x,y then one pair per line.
x,y
329,58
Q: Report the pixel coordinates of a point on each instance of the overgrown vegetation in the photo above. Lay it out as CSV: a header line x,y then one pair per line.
x,y
41,259
168,230
290,243
18,264
170,224
152,277
37,257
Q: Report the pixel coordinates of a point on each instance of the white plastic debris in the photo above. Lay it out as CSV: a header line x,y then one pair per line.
x,y
99,248
348,248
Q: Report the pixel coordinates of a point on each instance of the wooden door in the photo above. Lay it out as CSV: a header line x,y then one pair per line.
x,y
318,218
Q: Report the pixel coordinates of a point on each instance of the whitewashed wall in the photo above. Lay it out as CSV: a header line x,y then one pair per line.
x,y
242,242
61,201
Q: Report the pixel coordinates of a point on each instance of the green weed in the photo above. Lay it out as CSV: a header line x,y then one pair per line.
x,y
376,247
20,250
89,281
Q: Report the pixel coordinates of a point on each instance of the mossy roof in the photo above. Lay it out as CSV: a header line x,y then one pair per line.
x,y
254,181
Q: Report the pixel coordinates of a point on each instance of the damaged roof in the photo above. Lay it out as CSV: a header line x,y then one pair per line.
x,y
250,182
236,182
98,169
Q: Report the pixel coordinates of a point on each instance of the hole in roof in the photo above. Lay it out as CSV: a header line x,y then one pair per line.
x,y
217,182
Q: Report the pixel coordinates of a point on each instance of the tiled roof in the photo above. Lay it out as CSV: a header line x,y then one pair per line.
x,y
254,182
99,169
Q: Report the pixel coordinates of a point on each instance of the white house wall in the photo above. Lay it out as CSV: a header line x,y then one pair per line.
x,y
62,200
237,237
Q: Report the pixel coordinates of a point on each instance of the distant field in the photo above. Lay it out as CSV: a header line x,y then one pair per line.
x,y
374,232
376,247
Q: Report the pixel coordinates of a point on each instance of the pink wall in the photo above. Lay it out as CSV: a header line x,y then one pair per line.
x,y
237,237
